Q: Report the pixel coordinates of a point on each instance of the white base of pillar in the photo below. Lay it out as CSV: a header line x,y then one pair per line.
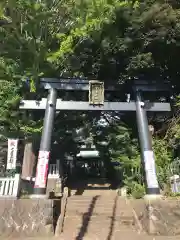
x,y
38,196
152,197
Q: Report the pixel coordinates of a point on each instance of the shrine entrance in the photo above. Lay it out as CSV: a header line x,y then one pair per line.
x,y
91,168
88,174
133,98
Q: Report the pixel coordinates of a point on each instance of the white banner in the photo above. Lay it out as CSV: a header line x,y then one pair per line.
x,y
12,153
42,169
150,169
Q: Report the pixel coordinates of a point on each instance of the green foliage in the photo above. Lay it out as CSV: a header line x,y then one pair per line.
x,y
173,131
32,128
124,149
164,158
136,190
26,40
9,100
104,39
174,195
7,173
110,40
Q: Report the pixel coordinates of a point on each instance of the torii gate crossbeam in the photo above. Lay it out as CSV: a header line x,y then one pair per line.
x,y
84,106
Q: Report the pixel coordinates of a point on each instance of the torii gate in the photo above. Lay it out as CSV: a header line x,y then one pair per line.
x,y
96,103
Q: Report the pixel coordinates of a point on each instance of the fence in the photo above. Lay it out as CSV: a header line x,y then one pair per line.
x,y
9,186
54,170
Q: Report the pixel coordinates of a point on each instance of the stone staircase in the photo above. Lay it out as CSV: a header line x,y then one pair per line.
x,y
97,215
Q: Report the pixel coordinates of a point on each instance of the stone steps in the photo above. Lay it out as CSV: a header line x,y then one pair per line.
x,y
97,217
100,205
90,192
93,225
97,213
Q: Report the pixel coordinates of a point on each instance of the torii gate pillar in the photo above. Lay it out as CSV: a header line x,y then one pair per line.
x,y
45,146
147,155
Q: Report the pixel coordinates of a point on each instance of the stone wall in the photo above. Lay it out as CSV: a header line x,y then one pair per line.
x,y
158,217
28,217
27,187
